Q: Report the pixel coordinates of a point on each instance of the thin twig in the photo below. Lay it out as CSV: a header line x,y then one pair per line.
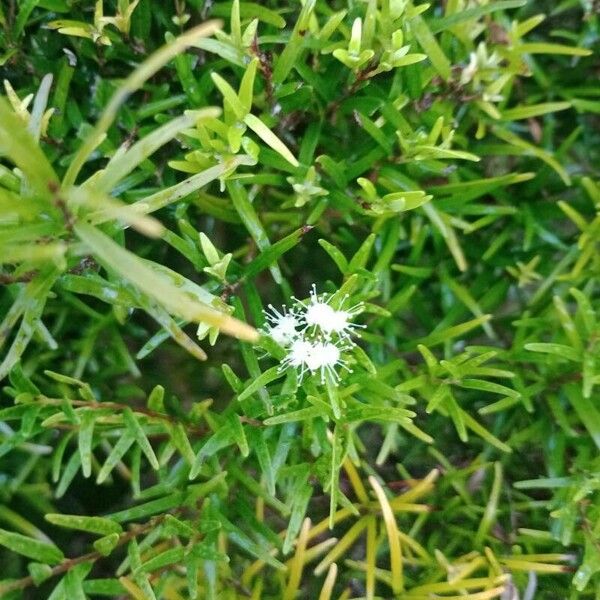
x,y
69,563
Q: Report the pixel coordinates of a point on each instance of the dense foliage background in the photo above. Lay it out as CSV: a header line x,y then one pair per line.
x,y
438,162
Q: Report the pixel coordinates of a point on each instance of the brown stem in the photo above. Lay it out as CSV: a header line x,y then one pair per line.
x,y
144,411
6,279
265,64
87,262
361,76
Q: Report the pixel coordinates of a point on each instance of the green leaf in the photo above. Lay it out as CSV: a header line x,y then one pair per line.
x,y
230,96
431,47
99,525
360,258
30,304
181,441
561,350
336,255
152,507
438,337
289,57
436,152
239,435
545,48
182,189
123,163
301,495
416,432
116,454
250,10
249,217
224,50
247,86
271,254
42,552
136,430
68,474
302,414
224,436
256,438
105,545
483,433
86,433
380,413
240,539
103,587
489,386
470,190
39,572
590,564
162,560
526,148
73,581
442,223
264,379
269,138
533,110
25,9
337,456
586,410
472,14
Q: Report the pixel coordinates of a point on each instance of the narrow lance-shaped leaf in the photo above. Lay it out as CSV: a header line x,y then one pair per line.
x,y
249,217
269,138
86,433
391,527
140,437
533,110
560,350
99,525
116,454
431,47
178,191
256,384
31,548
230,96
546,48
471,14
438,337
36,122
290,53
271,254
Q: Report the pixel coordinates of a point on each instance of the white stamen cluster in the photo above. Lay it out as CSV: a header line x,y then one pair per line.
x,y
314,334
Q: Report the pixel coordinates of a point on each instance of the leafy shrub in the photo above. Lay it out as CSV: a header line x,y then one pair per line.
x,y
422,422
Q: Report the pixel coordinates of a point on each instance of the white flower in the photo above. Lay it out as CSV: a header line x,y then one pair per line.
x,y
315,334
319,315
314,357
325,357
341,323
299,356
282,326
